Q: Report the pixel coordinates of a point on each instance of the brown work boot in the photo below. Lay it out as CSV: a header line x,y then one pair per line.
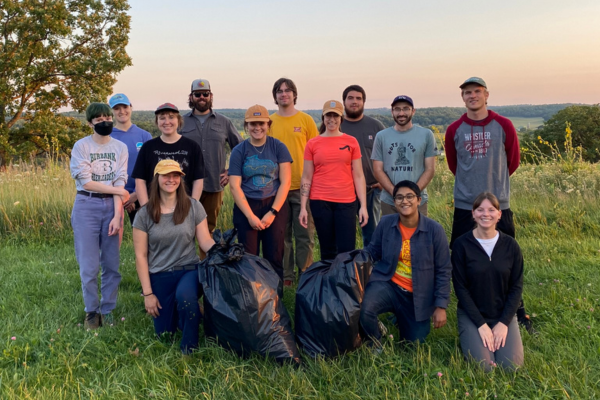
x,y
92,321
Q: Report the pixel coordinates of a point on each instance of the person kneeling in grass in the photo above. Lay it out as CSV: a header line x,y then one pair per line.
x,y
99,167
488,281
164,234
412,271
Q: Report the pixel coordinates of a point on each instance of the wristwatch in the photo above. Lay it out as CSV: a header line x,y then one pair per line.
x,y
273,211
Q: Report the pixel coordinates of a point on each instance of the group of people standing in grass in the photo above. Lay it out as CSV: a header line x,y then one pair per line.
x,y
288,179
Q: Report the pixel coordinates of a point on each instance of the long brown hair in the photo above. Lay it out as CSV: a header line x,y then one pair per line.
x,y
182,208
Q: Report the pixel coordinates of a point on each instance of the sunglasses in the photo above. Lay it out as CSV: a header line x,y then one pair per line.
x,y
201,94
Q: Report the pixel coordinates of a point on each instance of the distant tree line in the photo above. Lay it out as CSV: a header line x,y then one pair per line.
x,y
584,119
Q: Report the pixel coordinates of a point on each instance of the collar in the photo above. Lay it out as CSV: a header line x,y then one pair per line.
x,y
191,114
423,225
491,115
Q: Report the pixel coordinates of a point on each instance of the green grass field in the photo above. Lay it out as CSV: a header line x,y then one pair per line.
x,y
524,122
46,353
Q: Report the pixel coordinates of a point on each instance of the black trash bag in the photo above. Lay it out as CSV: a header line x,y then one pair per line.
x,y
328,303
242,302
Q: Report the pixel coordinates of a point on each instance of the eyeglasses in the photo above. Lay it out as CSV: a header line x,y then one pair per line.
x,y
286,91
408,197
201,94
403,109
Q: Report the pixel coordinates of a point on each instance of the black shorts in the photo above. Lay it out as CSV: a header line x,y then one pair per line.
x,y
463,222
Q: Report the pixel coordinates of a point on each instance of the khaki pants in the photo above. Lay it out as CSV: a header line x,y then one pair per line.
x,y
212,202
386,209
305,239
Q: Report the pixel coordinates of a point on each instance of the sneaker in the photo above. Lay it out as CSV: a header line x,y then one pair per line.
x,y
288,283
92,321
525,321
108,319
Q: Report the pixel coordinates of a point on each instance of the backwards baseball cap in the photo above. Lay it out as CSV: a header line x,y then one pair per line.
x,y
117,99
167,166
167,107
403,98
200,84
334,107
475,80
257,113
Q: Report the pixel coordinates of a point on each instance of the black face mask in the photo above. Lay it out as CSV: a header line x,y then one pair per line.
x,y
103,128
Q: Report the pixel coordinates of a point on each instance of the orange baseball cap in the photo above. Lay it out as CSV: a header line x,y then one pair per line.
x,y
334,107
257,113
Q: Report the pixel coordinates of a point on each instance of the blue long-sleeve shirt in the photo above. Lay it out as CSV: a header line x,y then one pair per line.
x,y
430,260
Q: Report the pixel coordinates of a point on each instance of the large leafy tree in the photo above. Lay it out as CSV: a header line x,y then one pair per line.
x,y
585,125
55,54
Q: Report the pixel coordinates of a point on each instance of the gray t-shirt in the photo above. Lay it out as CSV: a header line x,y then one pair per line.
x,y
170,245
201,118
364,131
403,155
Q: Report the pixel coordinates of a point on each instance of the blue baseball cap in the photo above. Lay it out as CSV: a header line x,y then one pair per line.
x,y
403,98
117,99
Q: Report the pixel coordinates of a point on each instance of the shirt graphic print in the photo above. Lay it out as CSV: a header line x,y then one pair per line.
x,y
172,155
103,166
262,172
478,143
403,274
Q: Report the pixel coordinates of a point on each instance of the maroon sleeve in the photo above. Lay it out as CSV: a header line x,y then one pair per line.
x,y
449,146
511,144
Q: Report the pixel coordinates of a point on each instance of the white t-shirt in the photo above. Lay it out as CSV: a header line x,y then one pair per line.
x,y
488,244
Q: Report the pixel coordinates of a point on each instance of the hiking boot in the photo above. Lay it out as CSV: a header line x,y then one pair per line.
x,y
288,283
108,319
92,321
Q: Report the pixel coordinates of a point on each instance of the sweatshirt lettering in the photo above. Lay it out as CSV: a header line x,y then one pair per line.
x,y
478,143
103,156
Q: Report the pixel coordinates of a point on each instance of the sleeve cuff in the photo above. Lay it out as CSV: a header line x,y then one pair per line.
x,y
441,303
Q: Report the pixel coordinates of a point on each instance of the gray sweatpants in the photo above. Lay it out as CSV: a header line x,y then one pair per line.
x,y
94,248
510,356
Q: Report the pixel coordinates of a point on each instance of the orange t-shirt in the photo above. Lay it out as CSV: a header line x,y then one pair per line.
x,y
332,159
403,275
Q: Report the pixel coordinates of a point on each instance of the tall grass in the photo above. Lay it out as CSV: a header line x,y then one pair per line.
x,y
36,201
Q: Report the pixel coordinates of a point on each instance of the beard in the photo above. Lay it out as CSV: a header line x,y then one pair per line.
x,y
195,104
354,114
406,122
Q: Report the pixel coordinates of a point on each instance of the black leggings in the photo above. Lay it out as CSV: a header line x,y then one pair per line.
x,y
271,238
336,226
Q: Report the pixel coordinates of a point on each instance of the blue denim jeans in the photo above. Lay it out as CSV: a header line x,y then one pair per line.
x,y
374,209
386,296
90,219
178,293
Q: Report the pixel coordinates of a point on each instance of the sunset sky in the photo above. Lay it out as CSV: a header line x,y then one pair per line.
x,y
529,52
